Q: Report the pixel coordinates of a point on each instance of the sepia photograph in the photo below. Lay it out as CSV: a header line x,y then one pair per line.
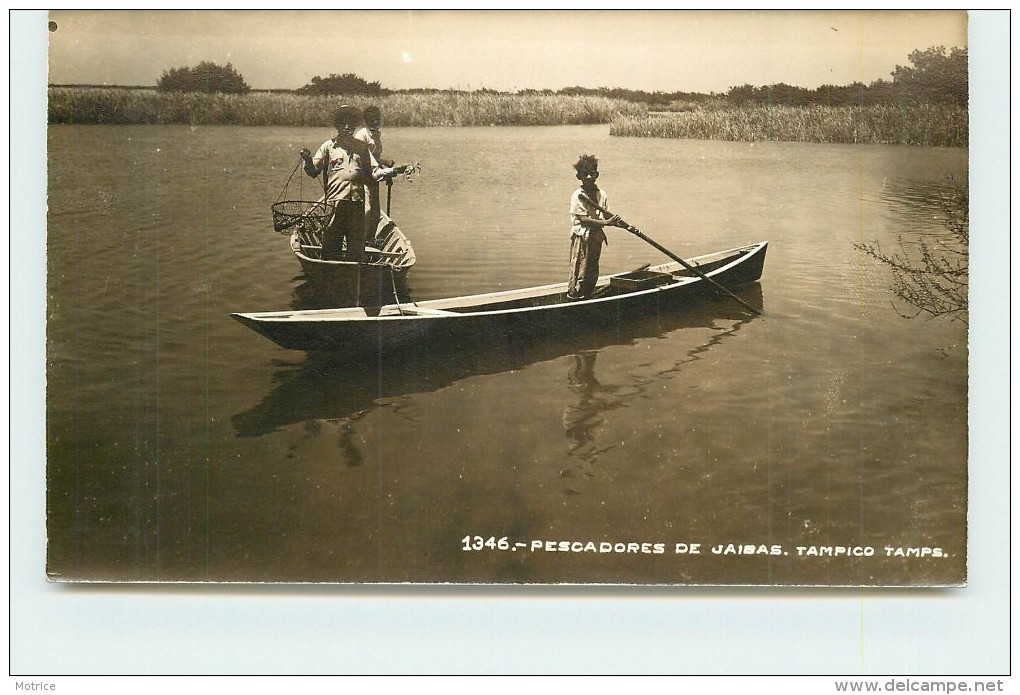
x,y
359,343
499,302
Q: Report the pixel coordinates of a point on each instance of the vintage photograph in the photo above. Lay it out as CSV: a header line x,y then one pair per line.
x,y
500,300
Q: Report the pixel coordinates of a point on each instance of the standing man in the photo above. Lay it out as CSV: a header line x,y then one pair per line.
x,y
586,230
346,165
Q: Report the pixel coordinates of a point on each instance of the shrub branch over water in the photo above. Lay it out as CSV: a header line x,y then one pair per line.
x,y
930,273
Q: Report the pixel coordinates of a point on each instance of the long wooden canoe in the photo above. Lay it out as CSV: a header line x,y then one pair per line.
x,y
322,385
531,312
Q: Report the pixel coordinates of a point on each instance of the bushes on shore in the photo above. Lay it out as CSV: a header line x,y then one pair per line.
x,y
123,106
205,77
941,125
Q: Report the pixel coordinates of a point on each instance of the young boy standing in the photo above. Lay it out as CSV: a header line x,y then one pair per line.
x,y
586,231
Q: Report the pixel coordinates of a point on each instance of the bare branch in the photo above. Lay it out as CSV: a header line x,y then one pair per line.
x,y
930,275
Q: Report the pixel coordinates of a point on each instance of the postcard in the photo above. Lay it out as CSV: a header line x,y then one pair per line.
x,y
497,301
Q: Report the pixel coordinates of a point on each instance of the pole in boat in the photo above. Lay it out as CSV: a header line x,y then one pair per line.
x,y
389,190
641,235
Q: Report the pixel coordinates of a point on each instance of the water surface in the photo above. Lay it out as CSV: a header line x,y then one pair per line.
x,y
183,446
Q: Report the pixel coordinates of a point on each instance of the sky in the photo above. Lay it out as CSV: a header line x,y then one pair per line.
x,y
651,50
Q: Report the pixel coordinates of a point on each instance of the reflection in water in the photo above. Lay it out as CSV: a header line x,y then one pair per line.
x,y
697,352
149,475
329,388
347,451
582,417
922,204
345,444
593,399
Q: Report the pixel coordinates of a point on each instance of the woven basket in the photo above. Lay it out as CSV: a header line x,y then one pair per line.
x,y
309,214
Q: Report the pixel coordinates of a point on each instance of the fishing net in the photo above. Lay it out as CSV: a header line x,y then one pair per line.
x,y
309,215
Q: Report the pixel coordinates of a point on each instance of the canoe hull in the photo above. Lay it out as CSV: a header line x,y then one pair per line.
x,y
534,313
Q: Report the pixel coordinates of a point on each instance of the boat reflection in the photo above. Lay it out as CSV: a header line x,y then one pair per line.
x,y
328,386
594,399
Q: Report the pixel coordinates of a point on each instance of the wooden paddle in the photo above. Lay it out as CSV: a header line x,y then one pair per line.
x,y
641,235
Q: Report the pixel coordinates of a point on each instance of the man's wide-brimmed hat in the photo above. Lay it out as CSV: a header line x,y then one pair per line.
x,y
347,115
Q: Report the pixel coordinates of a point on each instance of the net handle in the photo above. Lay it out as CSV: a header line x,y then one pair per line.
x,y
289,178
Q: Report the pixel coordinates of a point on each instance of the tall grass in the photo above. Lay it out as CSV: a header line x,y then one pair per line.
x,y
932,125
91,105
936,125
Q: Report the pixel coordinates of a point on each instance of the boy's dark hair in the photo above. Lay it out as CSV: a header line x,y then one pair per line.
x,y
586,162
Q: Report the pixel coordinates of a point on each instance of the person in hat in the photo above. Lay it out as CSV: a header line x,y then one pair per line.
x,y
371,135
586,230
346,164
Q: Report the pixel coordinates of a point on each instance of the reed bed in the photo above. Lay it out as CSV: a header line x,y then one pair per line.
x,y
95,105
930,125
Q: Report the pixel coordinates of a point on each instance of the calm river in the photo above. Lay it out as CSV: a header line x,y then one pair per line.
x,y
183,446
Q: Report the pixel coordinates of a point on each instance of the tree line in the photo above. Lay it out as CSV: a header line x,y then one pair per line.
x,y
933,75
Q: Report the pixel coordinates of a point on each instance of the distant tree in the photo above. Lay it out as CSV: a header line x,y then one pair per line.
x,y
348,83
424,90
786,95
935,76
743,95
854,94
879,92
205,77
657,99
